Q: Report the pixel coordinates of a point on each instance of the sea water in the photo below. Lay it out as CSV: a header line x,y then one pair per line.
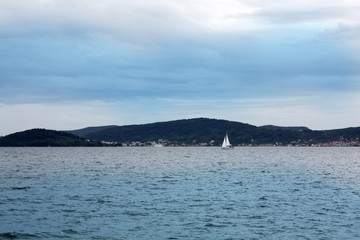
x,y
180,193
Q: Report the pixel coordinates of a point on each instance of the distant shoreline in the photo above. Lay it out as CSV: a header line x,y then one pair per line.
x,y
202,132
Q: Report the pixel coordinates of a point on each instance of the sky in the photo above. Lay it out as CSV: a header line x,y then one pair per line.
x,y
68,64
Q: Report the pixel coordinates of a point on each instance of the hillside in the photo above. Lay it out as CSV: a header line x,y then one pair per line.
x,y
212,131
85,131
198,131
43,137
272,127
181,131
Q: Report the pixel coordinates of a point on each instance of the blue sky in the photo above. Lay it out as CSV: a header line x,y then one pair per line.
x,y
72,64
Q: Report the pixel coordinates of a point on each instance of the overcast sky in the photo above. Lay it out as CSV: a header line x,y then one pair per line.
x,y
68,64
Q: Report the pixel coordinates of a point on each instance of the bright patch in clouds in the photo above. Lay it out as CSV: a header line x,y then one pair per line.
x,y
121,62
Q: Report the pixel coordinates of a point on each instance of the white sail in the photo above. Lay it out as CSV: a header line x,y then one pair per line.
x,y
226,142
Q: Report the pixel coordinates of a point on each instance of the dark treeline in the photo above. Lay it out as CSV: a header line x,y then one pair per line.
x,y
204,130
180,132
44,138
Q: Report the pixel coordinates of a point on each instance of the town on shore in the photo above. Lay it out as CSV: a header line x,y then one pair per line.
x,y
166,143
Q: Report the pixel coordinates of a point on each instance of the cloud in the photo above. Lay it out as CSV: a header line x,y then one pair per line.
x,y
62,68
326,16
203,53
126,20
138,20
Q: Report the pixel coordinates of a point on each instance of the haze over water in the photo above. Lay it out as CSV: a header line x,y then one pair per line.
x,y
179,193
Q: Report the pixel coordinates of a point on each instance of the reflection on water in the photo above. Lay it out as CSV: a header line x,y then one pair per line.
x,y
179,193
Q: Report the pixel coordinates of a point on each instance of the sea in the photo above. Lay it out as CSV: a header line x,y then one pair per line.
x,y
180,193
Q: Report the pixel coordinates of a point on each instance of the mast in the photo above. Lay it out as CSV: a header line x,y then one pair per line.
x,y
226,141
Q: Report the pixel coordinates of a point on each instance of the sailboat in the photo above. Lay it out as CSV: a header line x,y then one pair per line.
x,y
226,143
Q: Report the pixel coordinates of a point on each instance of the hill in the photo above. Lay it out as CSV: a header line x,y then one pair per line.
x,y
85,131
189,131
198,131
204,131
272,127
42,138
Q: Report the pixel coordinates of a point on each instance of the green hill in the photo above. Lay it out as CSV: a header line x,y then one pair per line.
x,y
272,127
181,131
43,137
198,131
204,130
85,131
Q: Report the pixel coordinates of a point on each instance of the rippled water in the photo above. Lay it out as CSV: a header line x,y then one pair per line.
x,y
179,193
